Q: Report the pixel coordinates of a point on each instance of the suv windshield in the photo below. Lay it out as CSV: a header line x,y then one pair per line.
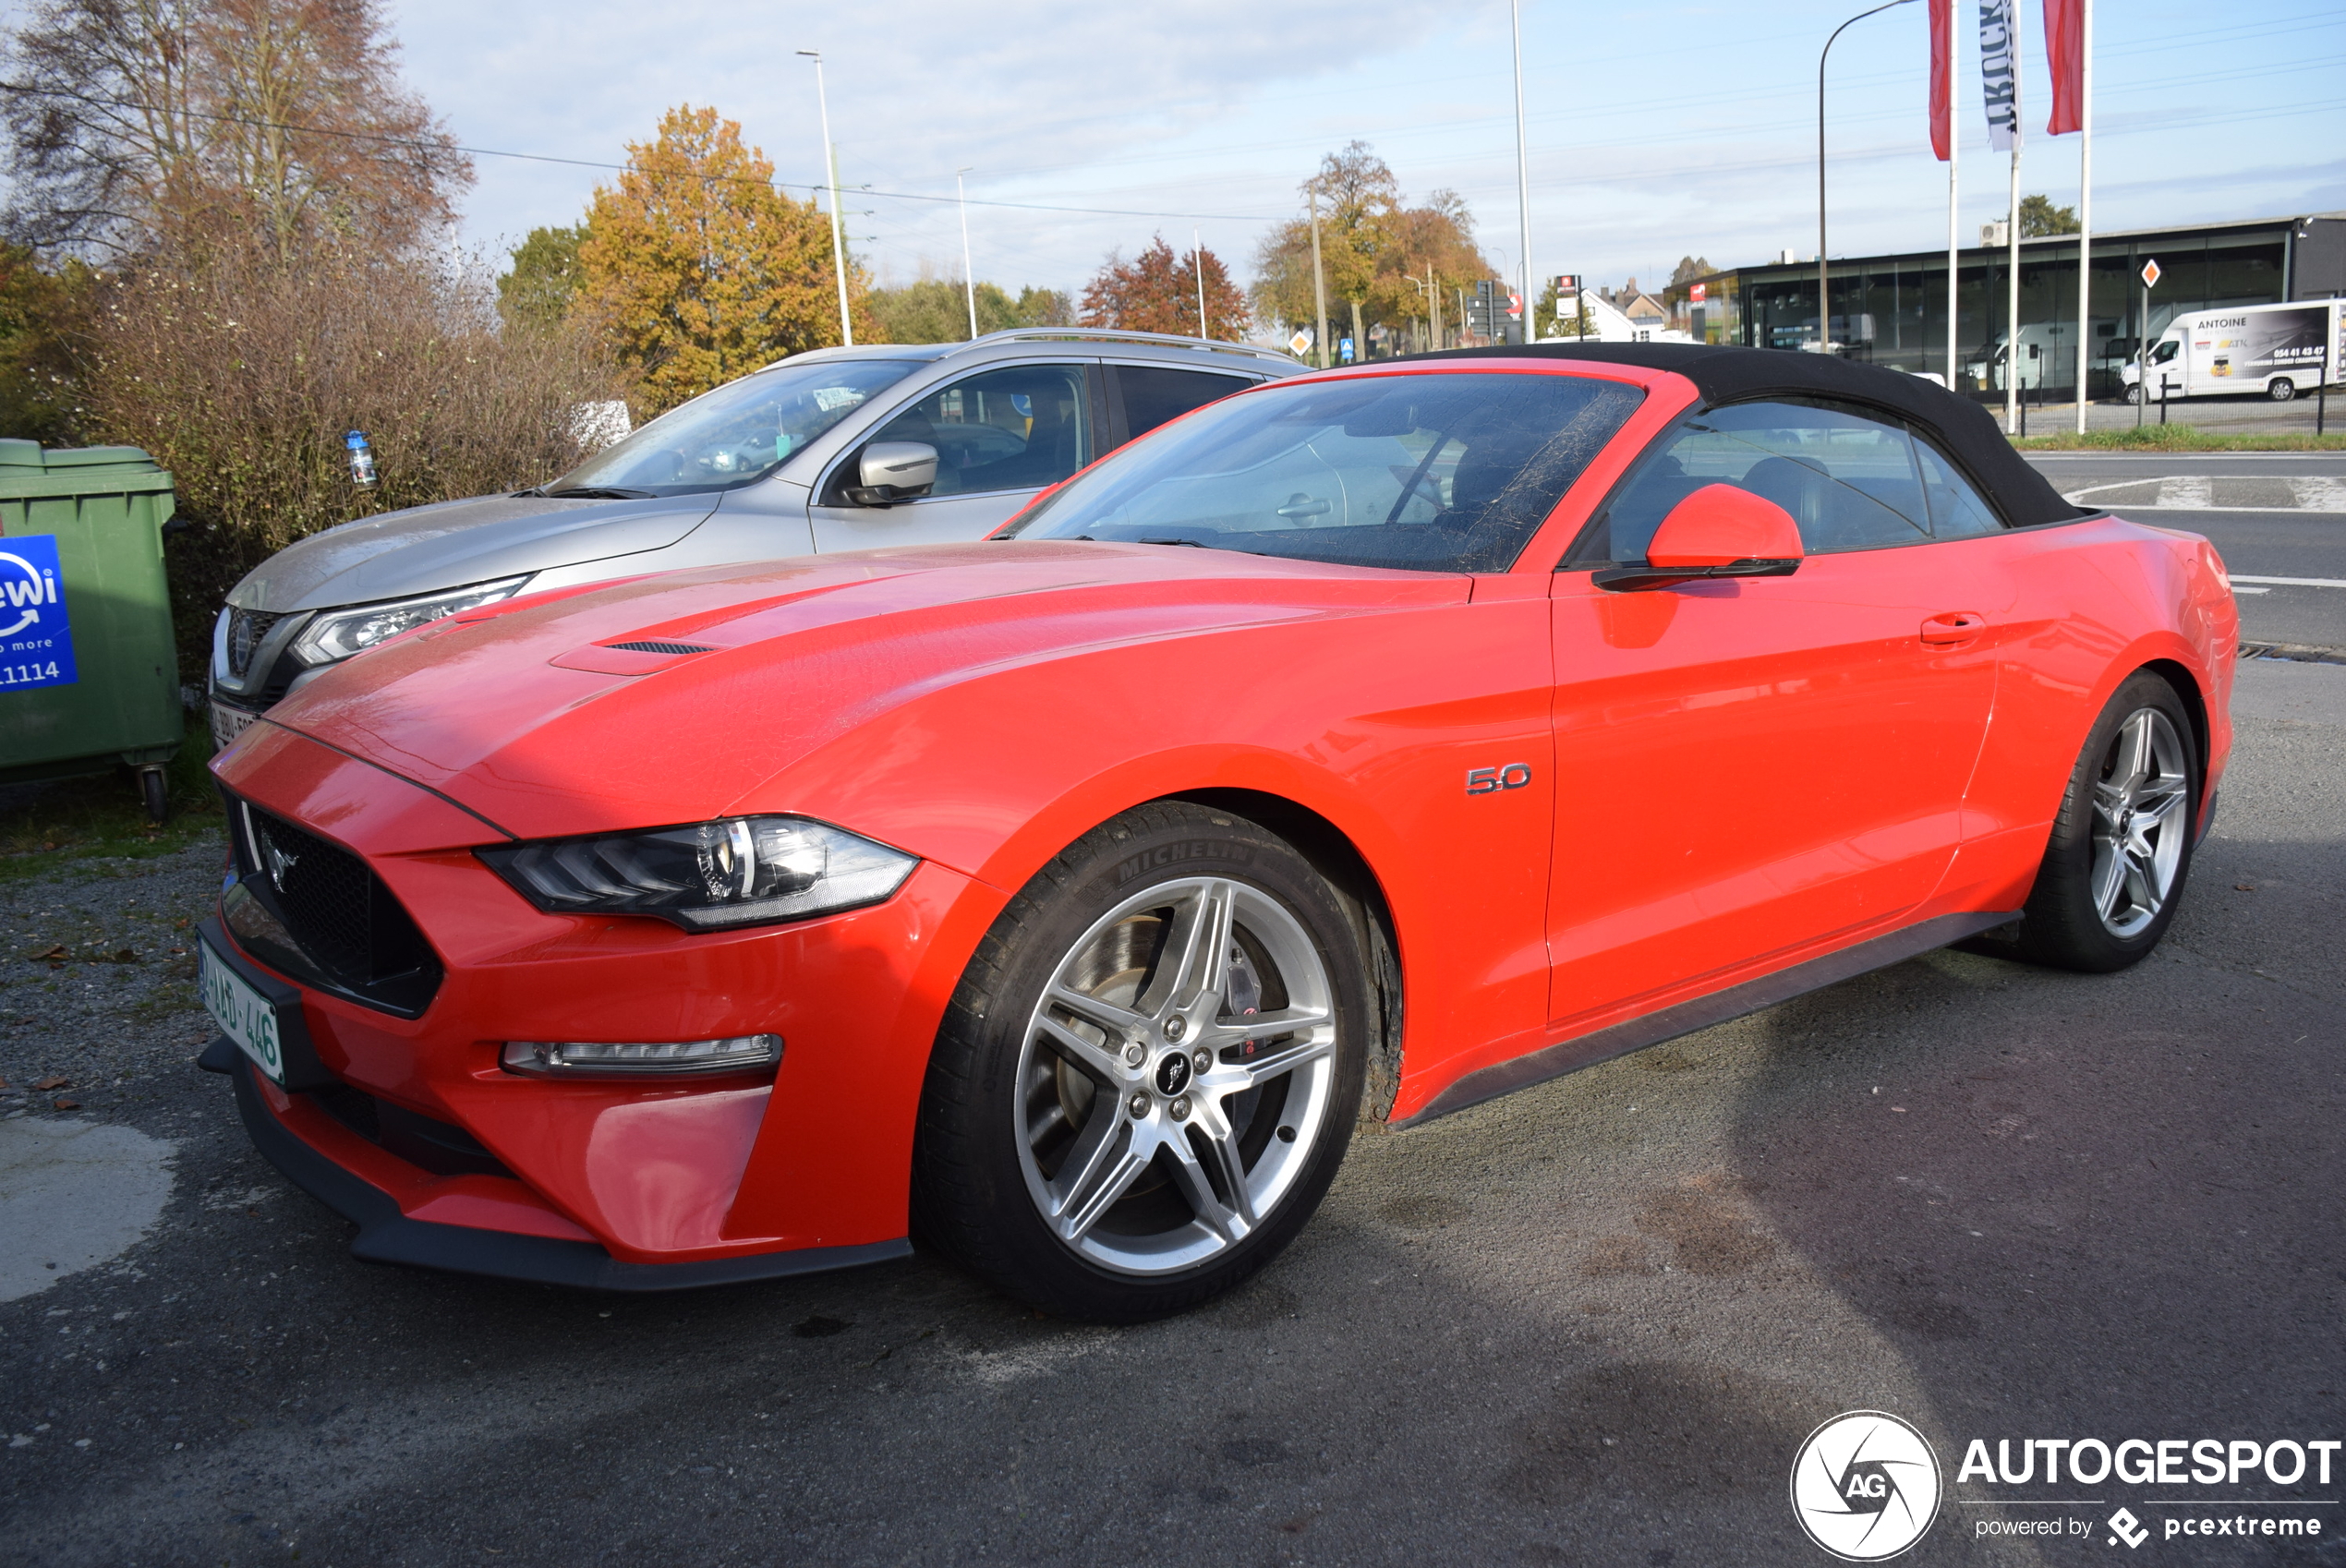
x,y
737,434
1437,472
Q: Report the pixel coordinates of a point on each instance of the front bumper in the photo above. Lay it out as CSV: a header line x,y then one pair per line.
x,y
387,1233
610,1182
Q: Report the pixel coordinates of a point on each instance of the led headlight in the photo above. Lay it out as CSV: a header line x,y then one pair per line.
x,y
743,871
338,633
641,1059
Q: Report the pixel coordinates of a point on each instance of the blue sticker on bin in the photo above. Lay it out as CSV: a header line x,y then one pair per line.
x,y
36,641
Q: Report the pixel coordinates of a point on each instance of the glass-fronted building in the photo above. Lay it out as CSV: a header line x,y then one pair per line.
x,y
1893,309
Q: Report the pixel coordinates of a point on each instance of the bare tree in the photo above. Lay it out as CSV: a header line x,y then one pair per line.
x,y
139,121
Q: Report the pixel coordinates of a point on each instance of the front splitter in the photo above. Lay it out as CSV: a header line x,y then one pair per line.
x,y
387,1235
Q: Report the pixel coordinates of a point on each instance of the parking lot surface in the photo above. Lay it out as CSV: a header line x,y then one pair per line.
x,y
1588,1323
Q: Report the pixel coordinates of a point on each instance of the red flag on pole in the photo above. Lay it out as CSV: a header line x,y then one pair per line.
x,y
2065,52
1940,108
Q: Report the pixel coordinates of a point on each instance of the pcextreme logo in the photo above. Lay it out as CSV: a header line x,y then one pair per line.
x,y
1864,1486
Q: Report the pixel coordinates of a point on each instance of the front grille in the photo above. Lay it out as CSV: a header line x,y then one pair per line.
x,y
328,918
658,647
248,629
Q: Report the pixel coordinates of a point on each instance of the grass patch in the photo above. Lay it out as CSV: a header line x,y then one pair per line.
x,y
46,827
2183,438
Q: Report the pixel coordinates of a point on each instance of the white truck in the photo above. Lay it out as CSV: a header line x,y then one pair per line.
x,y
2279,350
2048,355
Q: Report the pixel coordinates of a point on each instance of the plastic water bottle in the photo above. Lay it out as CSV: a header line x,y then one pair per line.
x,y
362,459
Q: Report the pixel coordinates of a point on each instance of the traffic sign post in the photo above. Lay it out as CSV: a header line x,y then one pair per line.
x,y
2142,351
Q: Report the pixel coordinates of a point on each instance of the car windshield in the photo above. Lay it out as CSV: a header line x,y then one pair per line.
x,y
737,434
1433,472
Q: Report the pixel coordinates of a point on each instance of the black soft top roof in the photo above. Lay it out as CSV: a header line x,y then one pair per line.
x,y
1725,374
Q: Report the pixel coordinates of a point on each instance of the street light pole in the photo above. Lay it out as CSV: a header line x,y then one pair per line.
x,y
1824,289
830,167
969,278
1523,175
1197,261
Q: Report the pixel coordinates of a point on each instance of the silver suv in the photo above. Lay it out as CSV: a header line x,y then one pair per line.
x,y
836,449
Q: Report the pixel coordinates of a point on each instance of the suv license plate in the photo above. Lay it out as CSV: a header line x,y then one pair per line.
x,y
228,723
243,1014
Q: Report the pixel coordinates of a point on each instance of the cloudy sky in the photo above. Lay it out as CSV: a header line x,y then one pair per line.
x,y
1654,130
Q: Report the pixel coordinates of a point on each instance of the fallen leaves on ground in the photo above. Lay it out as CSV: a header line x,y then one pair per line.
x,y
52,1081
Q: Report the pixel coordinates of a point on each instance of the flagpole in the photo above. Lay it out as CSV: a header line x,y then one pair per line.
x,y
1955,233
2012,241
2084,202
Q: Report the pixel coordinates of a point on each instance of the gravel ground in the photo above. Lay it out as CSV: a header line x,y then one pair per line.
x,y
98,987
1586,1323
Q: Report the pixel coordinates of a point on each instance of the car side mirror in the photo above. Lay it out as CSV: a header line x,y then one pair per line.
x,y
1719,531
893,471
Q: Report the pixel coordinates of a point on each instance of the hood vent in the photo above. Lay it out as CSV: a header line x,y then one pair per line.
x,y
652,647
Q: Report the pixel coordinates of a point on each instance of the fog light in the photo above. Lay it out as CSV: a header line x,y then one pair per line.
x,y
641,1059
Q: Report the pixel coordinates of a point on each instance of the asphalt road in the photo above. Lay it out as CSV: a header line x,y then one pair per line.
x,y
2270,514
1590,1323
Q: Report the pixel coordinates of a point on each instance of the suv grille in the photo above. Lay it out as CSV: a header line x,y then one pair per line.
x,y
246,629
314,909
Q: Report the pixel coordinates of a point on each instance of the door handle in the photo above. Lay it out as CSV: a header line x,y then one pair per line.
x,y
1955,626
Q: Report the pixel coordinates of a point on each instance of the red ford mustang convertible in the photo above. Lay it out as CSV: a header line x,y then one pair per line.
x,y
1367,744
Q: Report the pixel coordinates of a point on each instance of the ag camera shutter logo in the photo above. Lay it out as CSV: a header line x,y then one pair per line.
x,y
36,642
1864,1486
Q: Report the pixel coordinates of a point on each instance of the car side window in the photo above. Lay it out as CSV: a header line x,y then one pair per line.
x,y
1015,428
1848,480
1957,511
1152,394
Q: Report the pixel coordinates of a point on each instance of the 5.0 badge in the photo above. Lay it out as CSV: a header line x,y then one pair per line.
x,y
1490,780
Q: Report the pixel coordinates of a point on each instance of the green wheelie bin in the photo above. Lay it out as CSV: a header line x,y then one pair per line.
x,y
89,676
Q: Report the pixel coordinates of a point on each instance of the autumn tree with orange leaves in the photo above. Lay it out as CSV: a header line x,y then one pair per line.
x,y
699,269
1156,291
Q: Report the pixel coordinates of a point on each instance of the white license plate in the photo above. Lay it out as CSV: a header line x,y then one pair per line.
x,y
243,1014
228,723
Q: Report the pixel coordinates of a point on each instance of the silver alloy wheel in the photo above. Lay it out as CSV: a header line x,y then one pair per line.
x,y
2142,814
1175,1075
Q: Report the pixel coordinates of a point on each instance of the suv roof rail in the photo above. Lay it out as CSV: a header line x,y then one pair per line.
x,y
1116,334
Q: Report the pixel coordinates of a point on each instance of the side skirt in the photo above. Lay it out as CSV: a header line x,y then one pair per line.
x,y
1686,1018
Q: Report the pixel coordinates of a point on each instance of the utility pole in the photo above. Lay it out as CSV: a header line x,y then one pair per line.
x,y
969,278
1318,276
1197,261
830,165
1522,175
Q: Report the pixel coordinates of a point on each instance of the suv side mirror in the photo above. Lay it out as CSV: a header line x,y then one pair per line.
x,y
1719,531
893,471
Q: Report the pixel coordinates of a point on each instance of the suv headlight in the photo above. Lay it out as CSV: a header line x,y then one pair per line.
x,y
338,633
742,871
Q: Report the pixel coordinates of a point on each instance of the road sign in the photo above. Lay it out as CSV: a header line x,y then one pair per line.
x,y
1299,343
1567,283
2150,272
